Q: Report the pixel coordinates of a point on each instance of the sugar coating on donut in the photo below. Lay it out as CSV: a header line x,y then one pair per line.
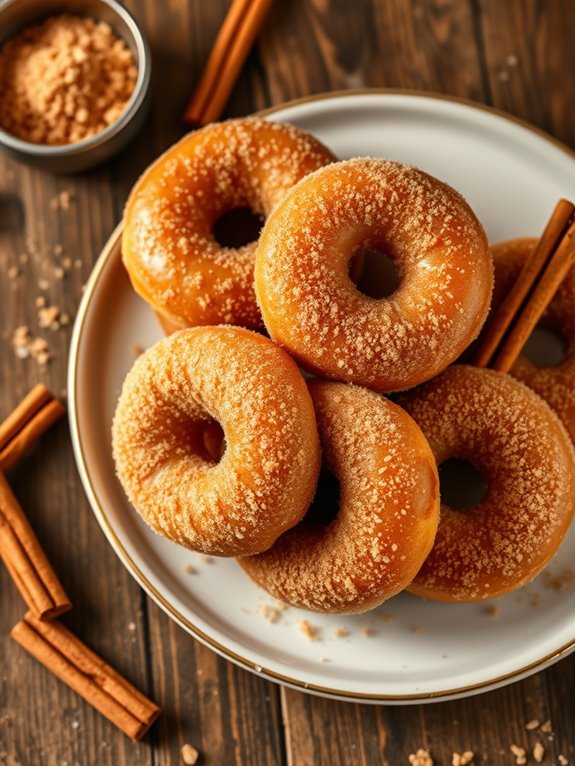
x,y
310,305
263,483
168,244
509,434
388,510
554,384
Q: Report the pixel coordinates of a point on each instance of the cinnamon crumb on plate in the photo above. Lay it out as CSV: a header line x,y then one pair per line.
x,y
307,629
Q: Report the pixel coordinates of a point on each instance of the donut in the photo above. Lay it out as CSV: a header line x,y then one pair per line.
x,y
168,243
387,516
554,384
166,452
311,306
516,441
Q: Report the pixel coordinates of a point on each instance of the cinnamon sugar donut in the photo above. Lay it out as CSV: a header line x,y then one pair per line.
x,y
387,516
311,307
168,243
509,434
163,440
554,384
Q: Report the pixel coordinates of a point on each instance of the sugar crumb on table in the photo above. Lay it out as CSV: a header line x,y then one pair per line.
x,y
189,754
519,753
462,759
421,758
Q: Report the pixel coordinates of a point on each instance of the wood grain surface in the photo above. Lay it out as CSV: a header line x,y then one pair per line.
x,y
518,55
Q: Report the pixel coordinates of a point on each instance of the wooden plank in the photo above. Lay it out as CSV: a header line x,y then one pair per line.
x,y
43,721
311,47
228,714
530,58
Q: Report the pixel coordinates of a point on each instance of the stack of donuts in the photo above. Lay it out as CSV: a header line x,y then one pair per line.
x,y
276,367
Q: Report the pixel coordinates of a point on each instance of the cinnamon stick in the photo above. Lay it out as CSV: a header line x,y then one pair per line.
x,y
87,674
237,35
501,320
26,561
37,398
31,431
559,264
215,62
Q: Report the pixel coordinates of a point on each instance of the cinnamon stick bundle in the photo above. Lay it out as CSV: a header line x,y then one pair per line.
x,y
229,52
34,415
552,246
87,674
26,561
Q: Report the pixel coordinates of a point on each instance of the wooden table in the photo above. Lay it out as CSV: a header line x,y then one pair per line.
x,y
517,55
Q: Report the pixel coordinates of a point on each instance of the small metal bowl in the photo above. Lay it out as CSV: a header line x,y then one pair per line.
x,y
72,158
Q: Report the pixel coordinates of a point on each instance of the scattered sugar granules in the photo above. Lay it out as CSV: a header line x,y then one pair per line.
x,y
421,758
64,80
307,629
538,752
462,759
520,754
26,345
189,755
270,613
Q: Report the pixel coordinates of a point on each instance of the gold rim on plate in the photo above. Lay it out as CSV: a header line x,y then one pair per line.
x,y
129,563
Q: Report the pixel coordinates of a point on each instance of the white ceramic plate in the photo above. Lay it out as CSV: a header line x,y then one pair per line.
x,y
408,650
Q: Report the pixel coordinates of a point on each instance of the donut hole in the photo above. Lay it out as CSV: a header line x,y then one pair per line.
x,y
238,227
545,347
379,277
212,441
325,504
461,484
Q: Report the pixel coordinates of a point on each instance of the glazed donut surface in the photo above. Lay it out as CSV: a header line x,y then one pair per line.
x,y
554,384
168,243
387,517
310,305
510,435
166,448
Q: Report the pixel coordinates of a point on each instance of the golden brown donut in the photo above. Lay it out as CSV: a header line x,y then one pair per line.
x,y
166,450
387,517
511,436
554,384
168,243
312,308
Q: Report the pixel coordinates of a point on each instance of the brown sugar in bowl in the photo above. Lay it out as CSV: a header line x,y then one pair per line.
x,y
81,153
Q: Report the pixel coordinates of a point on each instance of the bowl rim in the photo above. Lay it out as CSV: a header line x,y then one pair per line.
x,y
136,101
